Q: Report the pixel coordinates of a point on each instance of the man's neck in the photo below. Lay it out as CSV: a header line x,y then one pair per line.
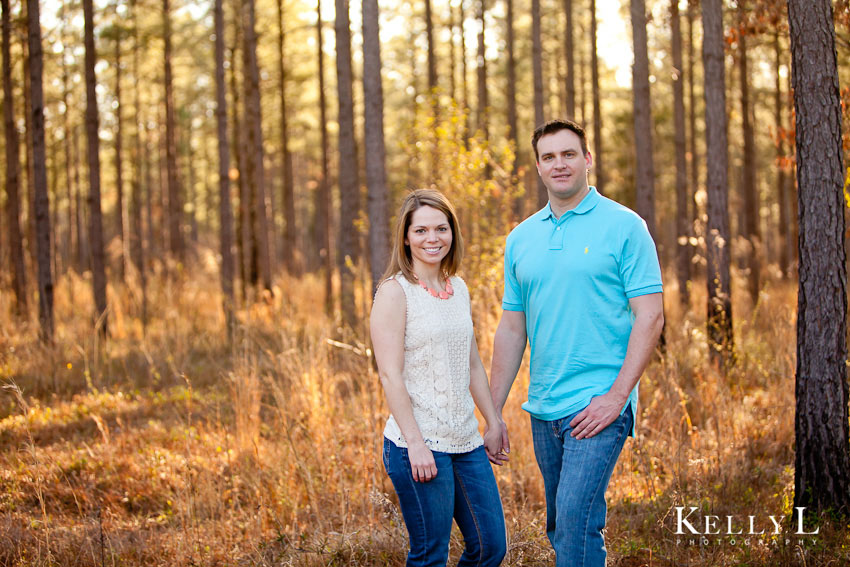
x,y
559,207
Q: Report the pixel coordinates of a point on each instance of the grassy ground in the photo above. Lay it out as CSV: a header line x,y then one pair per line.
x,y
167,446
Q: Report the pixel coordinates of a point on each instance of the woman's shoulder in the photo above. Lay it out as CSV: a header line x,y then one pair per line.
x,y
459,283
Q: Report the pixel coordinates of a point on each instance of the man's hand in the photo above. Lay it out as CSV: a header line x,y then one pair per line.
x,y
599,414
496,443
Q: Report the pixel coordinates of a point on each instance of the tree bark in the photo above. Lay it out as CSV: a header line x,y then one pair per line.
x,y
95,213
137,248
822,459
749,189
481,66
349,178
224,203
597,114
254,154
719,321
323,192
693,218
570,80
119,169
13,161
537,69
785,243
288,197
683,232
513,130
175,204
644,168
39,162
376,177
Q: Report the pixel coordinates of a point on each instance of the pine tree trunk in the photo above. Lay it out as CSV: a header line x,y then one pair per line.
x,y
13,161
224,203
137,249
719,320
288,197
254,143
822,459
349,178
376,177
644,168
537,71
481,66
95,214
781,184
683,233
513,129
323,191
570,82
175,203
693,218
119,179
749,189
597,114
39,162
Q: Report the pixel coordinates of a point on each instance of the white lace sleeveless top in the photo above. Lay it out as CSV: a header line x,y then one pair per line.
x,y
437,340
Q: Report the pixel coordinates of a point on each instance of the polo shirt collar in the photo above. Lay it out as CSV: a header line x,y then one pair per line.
x,y
587,204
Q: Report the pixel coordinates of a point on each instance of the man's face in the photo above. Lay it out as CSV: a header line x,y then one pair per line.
x,y
562,165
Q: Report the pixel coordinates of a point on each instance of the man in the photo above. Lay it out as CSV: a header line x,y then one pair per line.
x,y
583,286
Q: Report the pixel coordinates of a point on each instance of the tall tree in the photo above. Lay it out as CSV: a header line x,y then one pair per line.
x,y
376,177
254,155
175,203
481,66
683,231
137,249
822,457
13,161
692,119
513,135
349,178
597,114
288,181
748,186
224,203
95,213
323,191
569,54
119,166
644,168
433,95
719,319
537,68
785,253
42,203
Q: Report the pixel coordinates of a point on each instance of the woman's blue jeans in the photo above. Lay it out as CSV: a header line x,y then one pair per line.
x,y
575,476
464,489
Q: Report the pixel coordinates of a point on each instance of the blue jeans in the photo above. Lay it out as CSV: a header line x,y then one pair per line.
x,y
575,477
464,489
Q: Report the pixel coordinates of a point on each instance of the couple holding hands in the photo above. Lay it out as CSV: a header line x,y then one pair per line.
x,y
583,290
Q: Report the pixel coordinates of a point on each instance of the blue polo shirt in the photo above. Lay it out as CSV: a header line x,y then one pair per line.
x,y
573,277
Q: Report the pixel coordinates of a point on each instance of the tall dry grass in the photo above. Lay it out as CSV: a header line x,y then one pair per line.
x,y
166,445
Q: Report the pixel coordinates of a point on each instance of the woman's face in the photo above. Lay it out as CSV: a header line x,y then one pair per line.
x,y
429,236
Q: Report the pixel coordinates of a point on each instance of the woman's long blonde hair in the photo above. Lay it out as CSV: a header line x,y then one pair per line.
x,y
400,259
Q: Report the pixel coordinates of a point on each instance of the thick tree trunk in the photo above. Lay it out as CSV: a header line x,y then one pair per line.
x,y
254,154
693,218
349,178
95,213
537,67
644,168
683,232
175,203
719,320
376,177
570,80
513,135
13,161
42,204
137,248
822,459
224,203
597,114
288,197
785,243
749,189
323,191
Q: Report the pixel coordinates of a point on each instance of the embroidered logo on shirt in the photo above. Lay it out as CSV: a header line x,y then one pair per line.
x,y
585,249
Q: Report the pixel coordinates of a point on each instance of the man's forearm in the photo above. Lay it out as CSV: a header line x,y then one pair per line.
x,y
508,348
642,341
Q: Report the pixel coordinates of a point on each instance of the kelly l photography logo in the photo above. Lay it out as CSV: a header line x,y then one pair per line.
x,y
693,528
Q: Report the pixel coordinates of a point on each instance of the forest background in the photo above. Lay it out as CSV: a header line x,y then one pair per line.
x,y
197,205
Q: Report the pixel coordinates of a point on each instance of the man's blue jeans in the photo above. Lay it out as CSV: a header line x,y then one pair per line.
x,y
464,489
575,476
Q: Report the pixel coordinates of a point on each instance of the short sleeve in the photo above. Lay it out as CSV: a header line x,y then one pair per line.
x,y
512,296
640,271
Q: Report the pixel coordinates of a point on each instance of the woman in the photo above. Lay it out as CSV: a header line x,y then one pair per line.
x,y
431,372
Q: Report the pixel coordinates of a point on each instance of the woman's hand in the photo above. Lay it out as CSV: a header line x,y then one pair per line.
x,y
422,464
496,443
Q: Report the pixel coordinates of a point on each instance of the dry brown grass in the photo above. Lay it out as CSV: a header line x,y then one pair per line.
x,y
170,447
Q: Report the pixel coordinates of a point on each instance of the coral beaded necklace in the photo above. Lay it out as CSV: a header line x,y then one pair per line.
x,y
449,291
